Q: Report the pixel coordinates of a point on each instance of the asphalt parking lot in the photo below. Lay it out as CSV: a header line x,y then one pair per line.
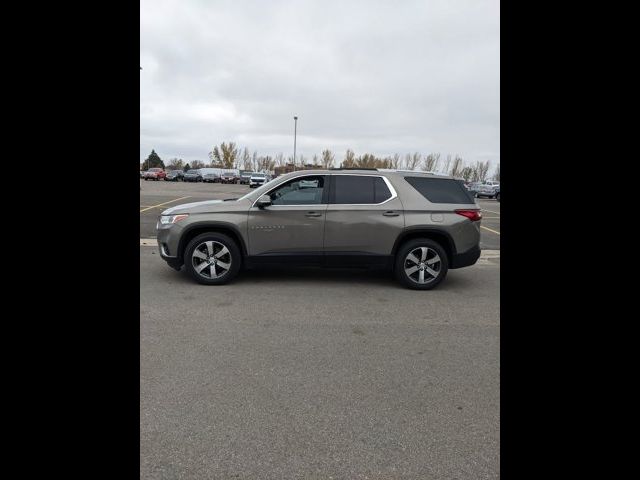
x,y
157,196
316,374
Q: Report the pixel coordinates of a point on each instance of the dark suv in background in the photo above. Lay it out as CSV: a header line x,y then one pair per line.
x,y
418,225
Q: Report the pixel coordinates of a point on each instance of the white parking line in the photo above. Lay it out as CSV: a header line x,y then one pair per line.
x,y
490,211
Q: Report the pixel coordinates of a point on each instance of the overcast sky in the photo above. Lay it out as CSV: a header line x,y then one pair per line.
x,y
374,76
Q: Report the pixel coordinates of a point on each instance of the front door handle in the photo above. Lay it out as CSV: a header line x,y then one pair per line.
x,y
391,213
312,214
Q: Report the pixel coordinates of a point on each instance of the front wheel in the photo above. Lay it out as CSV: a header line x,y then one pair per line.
x,y
421,264
212,259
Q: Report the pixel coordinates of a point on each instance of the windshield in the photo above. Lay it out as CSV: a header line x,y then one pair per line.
x,y
258,175
193,172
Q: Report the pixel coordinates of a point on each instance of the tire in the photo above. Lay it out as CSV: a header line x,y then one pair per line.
x,y
498,196
404,264
219,242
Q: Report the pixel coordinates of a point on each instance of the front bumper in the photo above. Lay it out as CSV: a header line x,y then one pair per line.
x,y
168,237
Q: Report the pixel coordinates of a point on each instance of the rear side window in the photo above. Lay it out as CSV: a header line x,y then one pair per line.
x,y
441,190
359,189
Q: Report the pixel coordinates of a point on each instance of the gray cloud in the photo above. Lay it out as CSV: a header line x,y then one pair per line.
x,y
374,76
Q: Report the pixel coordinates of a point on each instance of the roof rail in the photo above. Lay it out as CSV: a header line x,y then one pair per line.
x,y
354,168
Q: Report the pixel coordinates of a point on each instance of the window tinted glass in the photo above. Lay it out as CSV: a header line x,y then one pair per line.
x,y
353,189
440,190
299,191
381,191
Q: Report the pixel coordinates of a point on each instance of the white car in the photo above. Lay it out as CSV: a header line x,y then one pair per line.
x,y
257,179
487,189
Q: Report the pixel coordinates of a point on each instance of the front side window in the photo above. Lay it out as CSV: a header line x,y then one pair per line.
x,y
359,189
299,191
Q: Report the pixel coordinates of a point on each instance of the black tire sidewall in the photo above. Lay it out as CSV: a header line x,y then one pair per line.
x,y
403,251
236,258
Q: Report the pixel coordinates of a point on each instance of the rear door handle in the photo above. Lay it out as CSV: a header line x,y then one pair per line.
x,y
312,214
391,213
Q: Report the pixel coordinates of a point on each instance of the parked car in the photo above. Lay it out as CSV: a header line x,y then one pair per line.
x,y
245,177
257,179
473,187
193,176
174,176
230,176
142,173
417,225
487,189
155,174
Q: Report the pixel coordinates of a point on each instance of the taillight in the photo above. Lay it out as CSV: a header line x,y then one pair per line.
x,y
473,215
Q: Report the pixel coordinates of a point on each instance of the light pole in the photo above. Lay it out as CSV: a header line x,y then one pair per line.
x,y
295,131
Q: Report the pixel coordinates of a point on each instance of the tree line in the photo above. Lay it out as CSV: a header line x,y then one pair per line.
x,y
229,155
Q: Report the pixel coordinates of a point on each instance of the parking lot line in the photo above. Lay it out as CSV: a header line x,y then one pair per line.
x,y
161,204
494,231
490,211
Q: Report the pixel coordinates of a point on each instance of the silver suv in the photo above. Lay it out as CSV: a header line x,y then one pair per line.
x,y
418,225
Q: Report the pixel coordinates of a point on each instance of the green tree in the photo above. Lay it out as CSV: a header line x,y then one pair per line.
x,y
153,161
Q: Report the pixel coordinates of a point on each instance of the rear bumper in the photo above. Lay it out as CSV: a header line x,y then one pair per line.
x,y
465,259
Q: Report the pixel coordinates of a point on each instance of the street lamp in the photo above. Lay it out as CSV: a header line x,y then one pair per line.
x,y
295,130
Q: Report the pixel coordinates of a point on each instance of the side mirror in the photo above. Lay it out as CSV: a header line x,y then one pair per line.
x,y
264,201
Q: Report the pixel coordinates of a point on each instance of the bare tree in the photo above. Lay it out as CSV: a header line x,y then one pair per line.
x,y
280,159
431,162
175,164
328,158
254,161
456,167
349,159
447,164
496,175
396,163
412,161
467,173
246,159
483,171
197,164
368,160
315,159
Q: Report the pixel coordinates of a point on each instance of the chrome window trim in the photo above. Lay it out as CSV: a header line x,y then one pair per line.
x,y
394,194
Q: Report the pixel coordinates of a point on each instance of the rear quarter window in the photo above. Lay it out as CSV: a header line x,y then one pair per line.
x,y
441,190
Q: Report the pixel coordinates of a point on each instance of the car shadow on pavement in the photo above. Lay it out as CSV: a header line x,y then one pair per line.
x,y
285,276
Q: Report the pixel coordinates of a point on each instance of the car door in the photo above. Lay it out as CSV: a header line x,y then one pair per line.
x,y
364,218
293,225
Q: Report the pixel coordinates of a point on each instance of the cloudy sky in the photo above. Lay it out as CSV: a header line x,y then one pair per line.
x,y
374,76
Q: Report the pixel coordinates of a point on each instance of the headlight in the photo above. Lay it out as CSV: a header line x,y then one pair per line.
x,y
168,219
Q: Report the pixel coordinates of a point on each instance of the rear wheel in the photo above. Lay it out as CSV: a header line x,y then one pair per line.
x,y
421,264
212,259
